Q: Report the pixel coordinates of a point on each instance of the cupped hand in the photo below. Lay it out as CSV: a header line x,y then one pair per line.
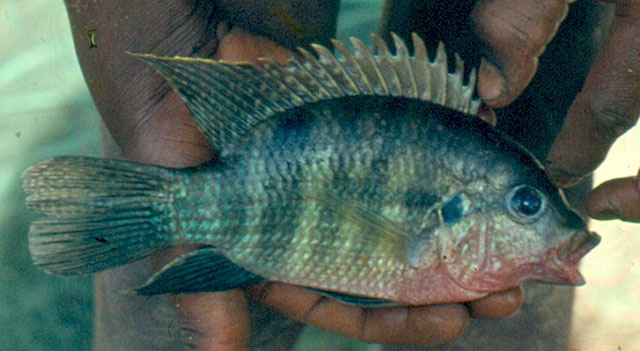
x,y
147,122
516,32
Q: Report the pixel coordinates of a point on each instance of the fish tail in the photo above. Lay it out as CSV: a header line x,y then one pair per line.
x,y
99,213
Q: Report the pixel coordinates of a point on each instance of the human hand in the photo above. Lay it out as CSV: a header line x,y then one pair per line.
x,y
516,33
148,123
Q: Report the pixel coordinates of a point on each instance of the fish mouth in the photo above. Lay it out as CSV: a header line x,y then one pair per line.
x,y
577,245
567,255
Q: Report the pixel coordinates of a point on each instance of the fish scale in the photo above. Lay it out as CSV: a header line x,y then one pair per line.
x,y
275,248
262,253
364,177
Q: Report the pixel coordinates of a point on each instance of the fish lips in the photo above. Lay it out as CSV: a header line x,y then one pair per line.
x,y
561,261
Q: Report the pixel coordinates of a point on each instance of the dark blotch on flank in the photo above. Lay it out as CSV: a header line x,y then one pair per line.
x,y
452,210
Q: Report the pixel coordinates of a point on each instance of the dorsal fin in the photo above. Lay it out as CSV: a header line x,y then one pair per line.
x,y
227,99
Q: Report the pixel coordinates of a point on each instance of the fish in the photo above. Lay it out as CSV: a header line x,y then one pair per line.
x,y
364,175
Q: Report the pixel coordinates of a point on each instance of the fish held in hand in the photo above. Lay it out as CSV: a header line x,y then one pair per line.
x,y
363,176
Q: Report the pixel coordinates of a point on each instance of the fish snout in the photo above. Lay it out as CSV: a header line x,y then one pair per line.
x,y
561,262
577,245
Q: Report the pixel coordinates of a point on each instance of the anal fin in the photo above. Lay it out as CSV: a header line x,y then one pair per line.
x,y
206,270
197,271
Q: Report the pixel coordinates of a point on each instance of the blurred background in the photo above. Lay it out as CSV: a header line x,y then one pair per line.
x,y
46,110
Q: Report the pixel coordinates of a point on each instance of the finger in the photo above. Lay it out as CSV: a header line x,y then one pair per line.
x,y
212,321
498,305
240,45
515,32
608,105
217,321
616,199
424,325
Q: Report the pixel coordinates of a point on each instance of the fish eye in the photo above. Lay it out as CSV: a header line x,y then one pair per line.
x,y
525,203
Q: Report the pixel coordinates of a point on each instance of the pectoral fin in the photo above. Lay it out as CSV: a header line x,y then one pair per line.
x,y
373,226
200,270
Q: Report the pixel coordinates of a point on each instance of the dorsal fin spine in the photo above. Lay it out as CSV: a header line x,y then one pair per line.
x,y
402,54
454,90
309,66
327,59
440,69
421,67
363,53
466,97
365,88
346,84
472,105
386,66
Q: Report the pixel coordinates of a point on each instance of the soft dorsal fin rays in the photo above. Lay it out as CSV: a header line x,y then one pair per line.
x,y
227,99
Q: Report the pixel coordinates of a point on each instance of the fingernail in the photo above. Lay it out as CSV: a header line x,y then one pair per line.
x,y
491,83
487,114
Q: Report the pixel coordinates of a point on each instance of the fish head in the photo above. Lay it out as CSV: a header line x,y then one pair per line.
x,y
517,230
558,234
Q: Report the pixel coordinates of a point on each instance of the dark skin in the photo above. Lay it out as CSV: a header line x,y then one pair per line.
x,y
146,122
607,106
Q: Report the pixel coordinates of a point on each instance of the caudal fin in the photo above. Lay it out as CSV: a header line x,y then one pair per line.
x,y
100,213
